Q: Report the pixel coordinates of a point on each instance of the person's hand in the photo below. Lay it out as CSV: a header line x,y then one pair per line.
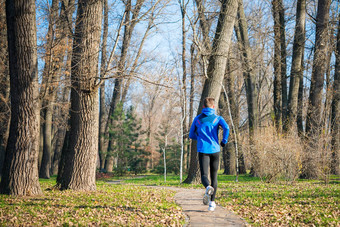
x,y
222,144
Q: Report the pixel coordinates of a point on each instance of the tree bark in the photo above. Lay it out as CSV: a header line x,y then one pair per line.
x,y
65,36
335,114
80,166
248,73
319,69
277,66
193,63
216,69
183,6
48,95
284,96
313,122
205,26
296,69
102,110
20,170
229,157
299,117
5,109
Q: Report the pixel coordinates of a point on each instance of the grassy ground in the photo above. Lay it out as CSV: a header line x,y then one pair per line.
x,y
110,205
302,203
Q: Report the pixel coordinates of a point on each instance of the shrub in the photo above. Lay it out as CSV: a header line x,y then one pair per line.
x,y
274,156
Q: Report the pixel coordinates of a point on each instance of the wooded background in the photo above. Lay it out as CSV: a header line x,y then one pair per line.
x,y
113,86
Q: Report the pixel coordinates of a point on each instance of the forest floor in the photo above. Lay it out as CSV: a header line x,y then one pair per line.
x,y
282,203
131,203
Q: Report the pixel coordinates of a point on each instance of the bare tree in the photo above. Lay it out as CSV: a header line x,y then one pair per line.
x,y
248,71
284,96
80,164
297,67
65,34
217,65
131,19
102,110
277,65
20,170
48,92
5,111
335,168
313,122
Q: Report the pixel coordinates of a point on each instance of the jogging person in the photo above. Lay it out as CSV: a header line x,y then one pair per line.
x,y
205,129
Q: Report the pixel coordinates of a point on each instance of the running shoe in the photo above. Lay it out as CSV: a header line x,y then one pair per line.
x,y
212,206
208,192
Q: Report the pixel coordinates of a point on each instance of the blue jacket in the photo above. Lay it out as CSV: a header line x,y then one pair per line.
x,y
205,128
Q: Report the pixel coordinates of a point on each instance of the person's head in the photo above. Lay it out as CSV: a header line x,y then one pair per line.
x,y
208,102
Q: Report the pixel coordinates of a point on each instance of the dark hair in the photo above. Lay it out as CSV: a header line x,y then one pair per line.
x,y
209,102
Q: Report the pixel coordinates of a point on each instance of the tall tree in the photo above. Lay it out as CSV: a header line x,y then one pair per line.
x,y
217,65
48,92
297,67
248,71
80,163
20,170
284,96
102,110
65,34
183,7
313,122
131,19
229,149
277,65
335,116
319,69
5,86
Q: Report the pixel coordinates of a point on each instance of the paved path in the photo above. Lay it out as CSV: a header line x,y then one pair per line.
x,y
191,201
197,214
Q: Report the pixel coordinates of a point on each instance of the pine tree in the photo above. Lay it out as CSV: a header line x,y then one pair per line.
x,y
125,131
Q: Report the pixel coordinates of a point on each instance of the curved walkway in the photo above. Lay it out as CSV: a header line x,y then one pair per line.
x,y
197,214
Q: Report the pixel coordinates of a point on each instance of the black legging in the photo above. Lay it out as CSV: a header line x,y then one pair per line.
x,y
205,161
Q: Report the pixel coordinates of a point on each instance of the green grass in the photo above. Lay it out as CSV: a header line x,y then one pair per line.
x,y
118,205
301,203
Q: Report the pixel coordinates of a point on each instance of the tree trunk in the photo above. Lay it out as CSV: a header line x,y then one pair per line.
x,y
299,117
184,81
48,93
277,65
65,38
319,69
335,116
248,73
130,24
80,166
193,63
216,69
241,30
296,69
5,109
229,157
102,110
20,171
205,26
284,97
313,122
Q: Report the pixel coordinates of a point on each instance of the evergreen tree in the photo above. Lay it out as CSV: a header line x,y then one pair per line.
x,y
127,149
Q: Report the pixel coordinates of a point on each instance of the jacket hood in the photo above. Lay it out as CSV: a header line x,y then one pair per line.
x,y
208,111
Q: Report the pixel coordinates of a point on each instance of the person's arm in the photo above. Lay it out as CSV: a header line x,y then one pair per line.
x,y
192,133
225,128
